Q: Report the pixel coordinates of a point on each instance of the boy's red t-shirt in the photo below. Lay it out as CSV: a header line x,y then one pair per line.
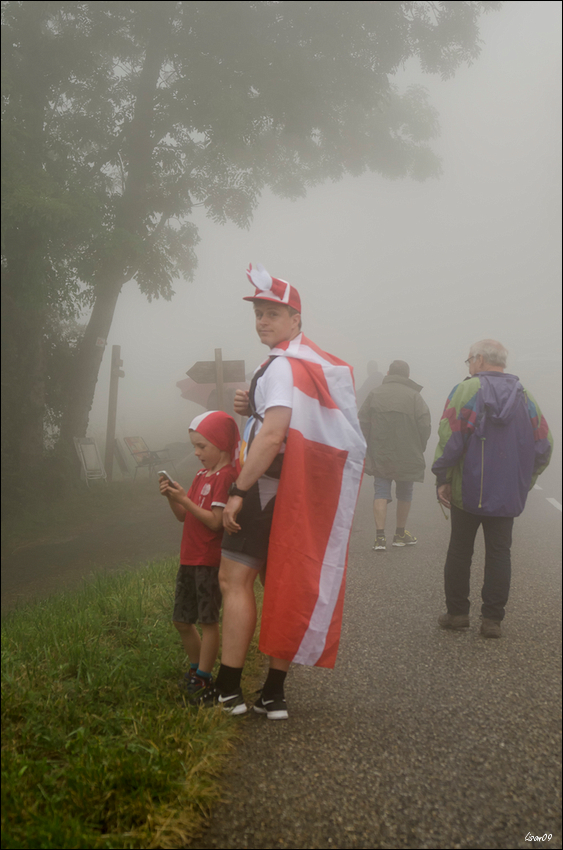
x,y
200,545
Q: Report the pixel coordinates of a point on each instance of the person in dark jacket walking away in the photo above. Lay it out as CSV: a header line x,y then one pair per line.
x,y
494,442
395,421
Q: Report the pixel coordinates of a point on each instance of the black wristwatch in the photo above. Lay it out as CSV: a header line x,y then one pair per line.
x,y
234,491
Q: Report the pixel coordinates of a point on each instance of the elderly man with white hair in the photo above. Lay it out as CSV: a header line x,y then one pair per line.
x,y
494,442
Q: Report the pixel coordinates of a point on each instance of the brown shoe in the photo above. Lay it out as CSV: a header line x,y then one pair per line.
x,y
490,628
454,621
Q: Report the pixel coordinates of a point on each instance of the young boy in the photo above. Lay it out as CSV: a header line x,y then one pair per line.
x,y
215,437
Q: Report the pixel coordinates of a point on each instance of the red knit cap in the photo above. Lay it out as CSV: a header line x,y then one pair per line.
x,y
219,428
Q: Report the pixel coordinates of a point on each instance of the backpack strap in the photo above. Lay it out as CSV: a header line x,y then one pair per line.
x,y
274,470
252,390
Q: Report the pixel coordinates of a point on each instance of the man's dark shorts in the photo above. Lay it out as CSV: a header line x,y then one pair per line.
x,y
250,545
198,596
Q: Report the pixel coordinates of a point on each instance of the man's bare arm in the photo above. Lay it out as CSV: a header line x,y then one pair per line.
x,y
265,446
262,452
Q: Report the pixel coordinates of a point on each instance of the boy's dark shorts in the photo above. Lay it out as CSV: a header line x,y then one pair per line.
x,y
198,596
255,522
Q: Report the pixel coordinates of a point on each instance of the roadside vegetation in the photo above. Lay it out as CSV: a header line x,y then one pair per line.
x,y
40,518
99,749
39,513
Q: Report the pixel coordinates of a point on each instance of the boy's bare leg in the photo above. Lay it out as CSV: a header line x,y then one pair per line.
x,y
190,641
209,646
403,509
380,513
239,610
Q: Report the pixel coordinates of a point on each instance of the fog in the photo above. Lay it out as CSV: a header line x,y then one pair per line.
x,y
389,269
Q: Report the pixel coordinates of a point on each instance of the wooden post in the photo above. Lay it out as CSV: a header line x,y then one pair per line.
x,y
115,375
219,378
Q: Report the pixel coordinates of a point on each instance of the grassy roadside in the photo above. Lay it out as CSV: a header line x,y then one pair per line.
x,y
98,749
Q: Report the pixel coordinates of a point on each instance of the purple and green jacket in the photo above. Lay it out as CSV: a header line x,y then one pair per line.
x,y
493,444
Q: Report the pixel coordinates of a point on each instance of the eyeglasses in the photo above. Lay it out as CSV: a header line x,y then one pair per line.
x,y
473,357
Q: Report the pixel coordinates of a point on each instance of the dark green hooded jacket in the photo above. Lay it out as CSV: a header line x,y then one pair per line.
x,y
395,421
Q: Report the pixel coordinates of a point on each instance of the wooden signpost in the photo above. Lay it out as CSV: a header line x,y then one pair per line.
x,y
218,372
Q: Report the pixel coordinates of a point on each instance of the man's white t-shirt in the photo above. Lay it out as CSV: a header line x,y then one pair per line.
x,y
273,389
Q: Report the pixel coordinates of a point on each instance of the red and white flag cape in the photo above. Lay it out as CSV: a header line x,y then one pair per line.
x,y
317,495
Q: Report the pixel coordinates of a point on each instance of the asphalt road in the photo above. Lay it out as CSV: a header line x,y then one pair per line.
x,y
419,738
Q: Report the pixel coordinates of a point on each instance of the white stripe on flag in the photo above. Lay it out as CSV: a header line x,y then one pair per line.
x,y
338,378
326,425
332,571
329,427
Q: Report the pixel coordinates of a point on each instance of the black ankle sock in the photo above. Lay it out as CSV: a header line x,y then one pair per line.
x,y
380,532
400,531
228,678
274,683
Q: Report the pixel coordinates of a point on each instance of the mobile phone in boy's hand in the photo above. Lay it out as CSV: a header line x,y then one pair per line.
x,y
164,474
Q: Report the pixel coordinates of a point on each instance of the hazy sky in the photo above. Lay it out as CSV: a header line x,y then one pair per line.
x,y
389,269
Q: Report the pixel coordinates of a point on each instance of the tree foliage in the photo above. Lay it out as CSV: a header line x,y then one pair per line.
x,y
120,117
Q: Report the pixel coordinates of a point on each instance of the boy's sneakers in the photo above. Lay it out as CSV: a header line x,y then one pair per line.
x,y
233,704
186,680
405,539
380,542
274,707
196,683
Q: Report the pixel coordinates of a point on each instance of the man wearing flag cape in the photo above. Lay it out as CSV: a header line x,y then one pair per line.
x,y
292,504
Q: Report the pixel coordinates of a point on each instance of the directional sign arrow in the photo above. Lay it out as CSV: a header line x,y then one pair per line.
x,y
204,371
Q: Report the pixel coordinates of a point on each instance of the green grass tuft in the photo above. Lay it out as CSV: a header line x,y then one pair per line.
x,y
99,749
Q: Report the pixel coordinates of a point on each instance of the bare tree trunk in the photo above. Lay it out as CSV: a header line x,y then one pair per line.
x,y
23,391
23,298
87,364
130,221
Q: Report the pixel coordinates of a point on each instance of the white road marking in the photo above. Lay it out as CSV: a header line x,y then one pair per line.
x,y
537,487
555,503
